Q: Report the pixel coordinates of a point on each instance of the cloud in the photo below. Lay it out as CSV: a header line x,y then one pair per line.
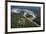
x,y
26,11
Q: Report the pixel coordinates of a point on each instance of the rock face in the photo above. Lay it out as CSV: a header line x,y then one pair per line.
x,y
37,20
22,18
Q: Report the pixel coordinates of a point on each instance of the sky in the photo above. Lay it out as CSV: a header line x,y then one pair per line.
x,y
36,10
